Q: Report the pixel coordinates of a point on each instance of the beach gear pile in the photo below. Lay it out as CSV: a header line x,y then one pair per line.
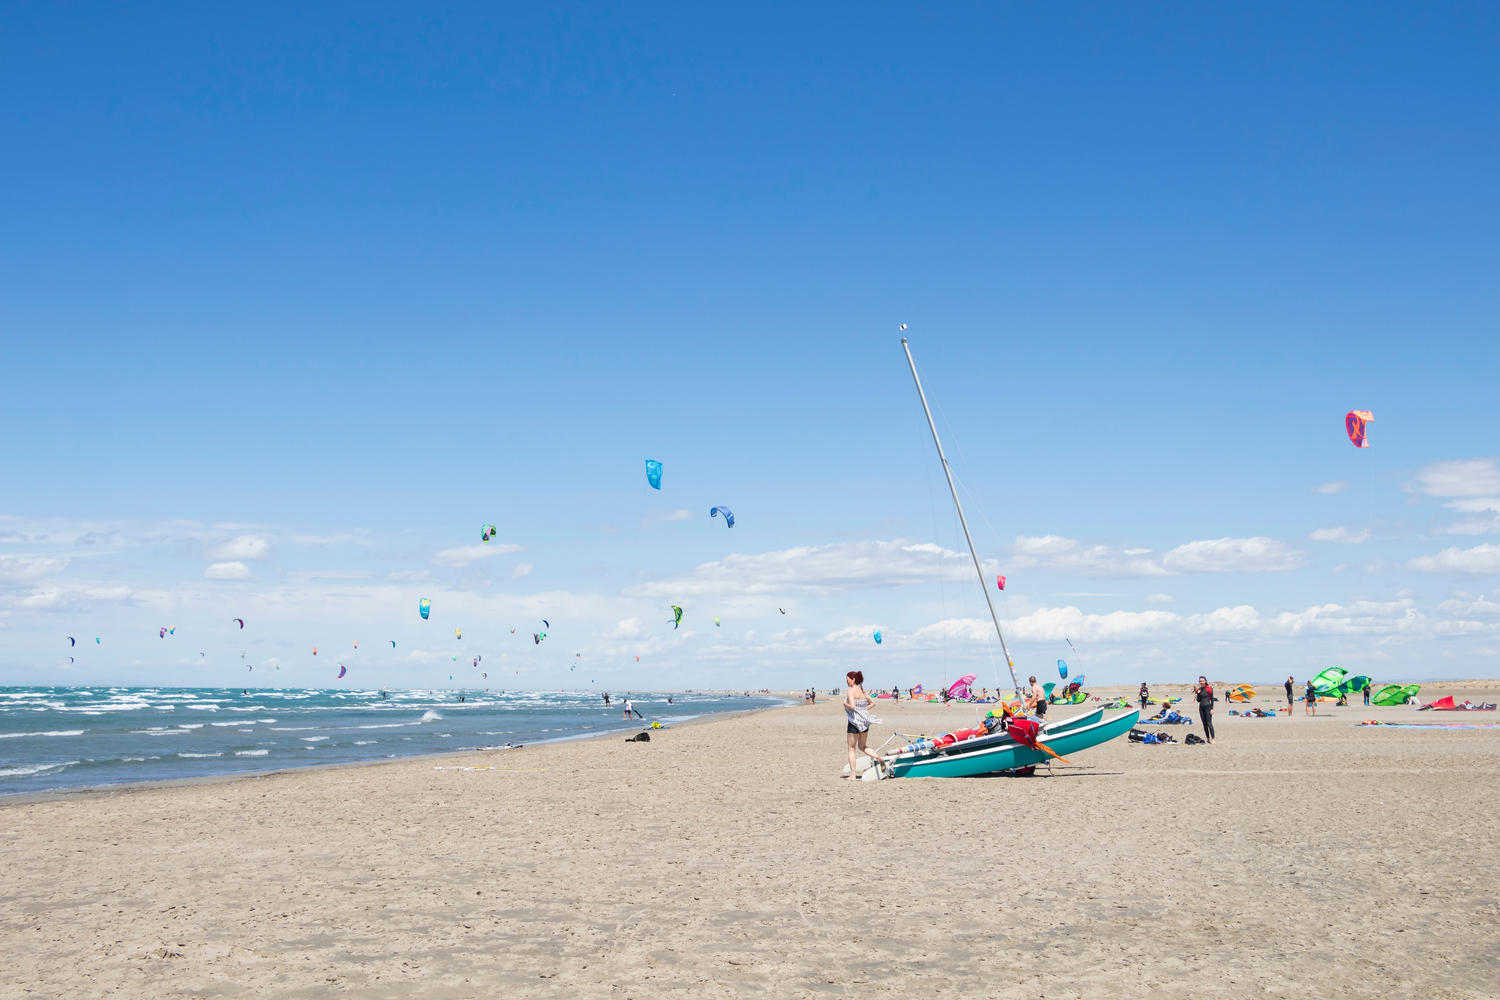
x,y
1254,713
1138,736
1446,705
1424,725
1170,718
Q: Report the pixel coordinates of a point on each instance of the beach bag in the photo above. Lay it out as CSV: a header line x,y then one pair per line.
x,y
1195,738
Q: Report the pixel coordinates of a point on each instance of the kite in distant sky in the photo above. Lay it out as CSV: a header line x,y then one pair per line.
x,y
877,637
728,515
653,473
1000,581
393,643
1062,669
424,606
342,671
458,633
487,532
162,632
72,641
716,621
783,610
676,616
240,620
1354,424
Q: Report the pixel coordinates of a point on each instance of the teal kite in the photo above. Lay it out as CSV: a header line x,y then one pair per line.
x,y
653,473
425,607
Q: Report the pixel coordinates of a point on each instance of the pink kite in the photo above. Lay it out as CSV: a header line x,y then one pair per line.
x,y
960,687
1001,581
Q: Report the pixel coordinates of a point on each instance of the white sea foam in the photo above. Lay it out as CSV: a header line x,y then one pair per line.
x,y
364,743
251,753
200,755
17,772
54,732
313,739
191,725
431,716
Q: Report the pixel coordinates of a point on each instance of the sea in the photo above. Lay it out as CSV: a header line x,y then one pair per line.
x,y
54,738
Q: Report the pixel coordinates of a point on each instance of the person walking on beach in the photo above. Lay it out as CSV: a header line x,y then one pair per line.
x,y
1036,699
1289,699
857,710
1205,693
1312,699
1367,694
1145,697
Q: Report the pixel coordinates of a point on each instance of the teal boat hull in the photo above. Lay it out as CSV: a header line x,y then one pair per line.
x,y
1064,737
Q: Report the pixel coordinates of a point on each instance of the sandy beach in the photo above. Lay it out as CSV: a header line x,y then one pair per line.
x,y
1297,857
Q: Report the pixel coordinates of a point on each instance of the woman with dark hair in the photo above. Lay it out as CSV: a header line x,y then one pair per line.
x,y
857,709
1205,693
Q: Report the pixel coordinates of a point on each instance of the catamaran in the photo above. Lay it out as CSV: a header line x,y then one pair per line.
x,y
1009,747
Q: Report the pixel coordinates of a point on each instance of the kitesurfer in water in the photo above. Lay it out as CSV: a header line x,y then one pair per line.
x,y
606,699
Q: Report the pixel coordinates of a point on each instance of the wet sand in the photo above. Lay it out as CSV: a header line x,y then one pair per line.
x,y
1297,857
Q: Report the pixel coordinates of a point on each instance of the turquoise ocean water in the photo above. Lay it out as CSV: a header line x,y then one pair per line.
x,y
54,737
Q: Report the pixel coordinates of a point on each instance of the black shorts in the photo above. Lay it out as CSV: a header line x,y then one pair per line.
x,y
854,730
1041,709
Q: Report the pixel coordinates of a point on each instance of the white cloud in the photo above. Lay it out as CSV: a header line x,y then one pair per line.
x,y
1473,477
250,547
1481,559
1337,487
821,569
464,555
1160,599
228,571
1469,605
1222,555
1340,535
18,569
522,570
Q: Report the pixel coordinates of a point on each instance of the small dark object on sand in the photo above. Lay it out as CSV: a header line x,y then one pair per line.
x,y
639,738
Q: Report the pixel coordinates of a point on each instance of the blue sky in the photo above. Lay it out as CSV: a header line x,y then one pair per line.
x,y
293,303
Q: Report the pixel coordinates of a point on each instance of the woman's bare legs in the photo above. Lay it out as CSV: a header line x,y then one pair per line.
x,y
853,744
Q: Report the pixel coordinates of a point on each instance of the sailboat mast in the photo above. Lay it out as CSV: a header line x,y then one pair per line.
x,y
961,519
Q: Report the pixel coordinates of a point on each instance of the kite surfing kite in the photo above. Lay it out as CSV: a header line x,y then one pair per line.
x,y
162,633
315,651
425,607
545,623
1243,692
240,620
486,532
536,637
676,616
783,610
653,473
342,671
1000,582
728,515
356,643
960,687
877,637
1354,423
1395,694
72,641
458,633
1062,669
393,643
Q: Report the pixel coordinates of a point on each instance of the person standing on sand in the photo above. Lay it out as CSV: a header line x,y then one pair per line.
x,y
857,709
1367,695
1205,693
1312,699
1145,697
1289,699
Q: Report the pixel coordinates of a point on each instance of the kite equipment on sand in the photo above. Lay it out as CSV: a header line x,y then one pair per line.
x,y
1445,704
1242,693
960,687
1395,694
728,515
653,473
1426,725
676,616
424,607
1354,424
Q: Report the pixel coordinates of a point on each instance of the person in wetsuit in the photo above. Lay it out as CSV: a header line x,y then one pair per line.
x,y
1290,698
1145,697
1205,694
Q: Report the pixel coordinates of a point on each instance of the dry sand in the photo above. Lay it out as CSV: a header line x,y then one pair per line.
x,y
1298,858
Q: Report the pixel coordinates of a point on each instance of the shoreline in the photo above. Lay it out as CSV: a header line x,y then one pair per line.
x,y
98,791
